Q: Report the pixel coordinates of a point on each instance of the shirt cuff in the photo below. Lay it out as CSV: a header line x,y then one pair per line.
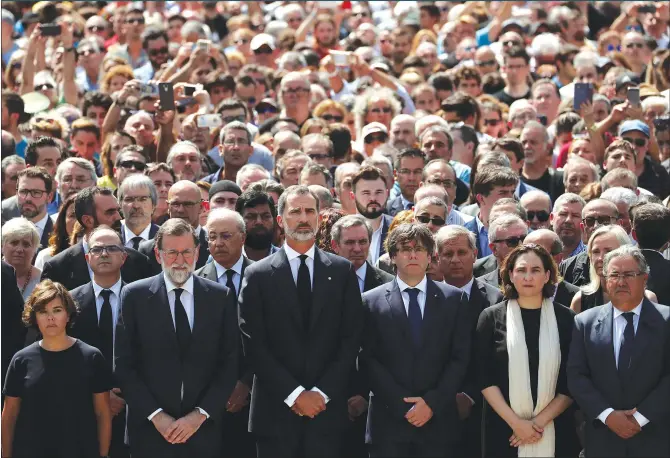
x,y
641,419
605,413
150,417
202,411
325,398
468,396
290,400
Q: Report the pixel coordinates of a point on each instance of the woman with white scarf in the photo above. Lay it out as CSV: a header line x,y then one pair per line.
x,y
521,350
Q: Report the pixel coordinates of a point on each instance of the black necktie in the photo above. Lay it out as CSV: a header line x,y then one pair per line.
x,y
181,324
106,327
136,242
230,273
304,289
414,315
626,349
409,206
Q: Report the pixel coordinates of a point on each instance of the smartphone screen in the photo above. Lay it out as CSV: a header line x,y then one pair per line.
x,y
634,96
50,30
583,93
166,96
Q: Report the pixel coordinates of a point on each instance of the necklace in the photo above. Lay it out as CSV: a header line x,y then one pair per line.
x,y
25,285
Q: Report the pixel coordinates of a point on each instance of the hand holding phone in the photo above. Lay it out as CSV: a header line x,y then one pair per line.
x,y
633,96
583,94
166,96
50,30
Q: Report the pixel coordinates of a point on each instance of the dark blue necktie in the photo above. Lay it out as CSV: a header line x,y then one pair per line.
x,y
409,206
626,349
414,315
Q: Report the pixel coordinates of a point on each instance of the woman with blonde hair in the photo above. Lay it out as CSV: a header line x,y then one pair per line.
x,y
115,79
602,241
422,36
330,111
20,241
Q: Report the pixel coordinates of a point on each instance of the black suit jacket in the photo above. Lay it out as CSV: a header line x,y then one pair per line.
x,y
395,369
152,233
147,249
285,355
575,270
386,222
393,207
151,373
485,265
564,291
659,274
48,229
595,384
70,269
13,330
375,277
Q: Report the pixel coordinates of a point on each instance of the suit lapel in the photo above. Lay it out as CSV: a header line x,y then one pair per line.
x,y
321,286
285,285
431,313
153,230
79,266
477,298
371,278
604,329
89,312
394,298
209,272
385,229
646,328
162,311
48,227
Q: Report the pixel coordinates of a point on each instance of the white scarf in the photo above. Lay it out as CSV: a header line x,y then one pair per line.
x,y
520,395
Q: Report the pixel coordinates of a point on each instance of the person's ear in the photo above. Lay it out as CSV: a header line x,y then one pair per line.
x,y
633,234
334,246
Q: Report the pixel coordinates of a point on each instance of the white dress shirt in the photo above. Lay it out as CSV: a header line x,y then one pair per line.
x,y
222,277
375,242
423,284
84,245
130,235
294,262
41,224
360,274
619,324
113,300
467,288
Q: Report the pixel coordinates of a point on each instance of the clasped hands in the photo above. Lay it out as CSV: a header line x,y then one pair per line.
x,y
178,431
526,432
309,404
623,423
420,413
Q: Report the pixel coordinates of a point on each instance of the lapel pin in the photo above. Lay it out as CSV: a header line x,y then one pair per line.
x,y
329,278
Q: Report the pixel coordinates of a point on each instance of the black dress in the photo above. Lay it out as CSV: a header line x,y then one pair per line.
x,y
592,300
57,417
492,363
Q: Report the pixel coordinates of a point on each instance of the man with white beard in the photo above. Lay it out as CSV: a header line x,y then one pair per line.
x,y
175,385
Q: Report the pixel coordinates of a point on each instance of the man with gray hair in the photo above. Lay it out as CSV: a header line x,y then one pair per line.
x,y
624,199
565,221
315,174
184,158
11,166
537,169
234,149
138,198
250,174
402,131
610,372
505,233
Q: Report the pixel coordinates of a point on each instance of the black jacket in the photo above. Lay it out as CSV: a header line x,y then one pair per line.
x,y
575,270
564,291
659,275
13,330
485,265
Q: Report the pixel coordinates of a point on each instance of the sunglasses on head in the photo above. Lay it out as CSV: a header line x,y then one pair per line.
x,y
159,51
601,220
375,138
436,220
329,117
511,242
541,215
137,165
640,142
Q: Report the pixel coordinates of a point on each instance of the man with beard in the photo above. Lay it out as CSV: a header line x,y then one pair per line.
x,y
93,206
176,352
259,213
402,44
402,132
370,193
155,44
184,202
565,220
138,198
34,192
226,235
326,31
302,341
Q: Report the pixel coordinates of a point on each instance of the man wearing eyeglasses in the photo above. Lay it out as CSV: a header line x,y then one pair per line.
x,y
408,172
89,61
129,161
98,314
294,93
155,45
265,50
506,232
34,192
138,197
651,175
133,27
538,207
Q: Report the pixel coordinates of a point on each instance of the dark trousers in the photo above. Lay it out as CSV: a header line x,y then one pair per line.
x,y
470,437
118,448
418,449
299,445
353,439
237,440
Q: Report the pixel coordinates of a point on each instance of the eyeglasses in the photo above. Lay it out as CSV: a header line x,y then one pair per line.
x,y
410,172
85,52
17,65
158,52
492,122
436,220
229,119
236,142
78,180
444,183
35,193
485,63
640,142
385,110
511,242
627,276
319,157
137,20
44,87
137,165
172,255
408,249
634,45
361,14
139,199
611,48
263,50
375,138
330,118
95,28
601,220
541,215
186,205
296,90
109,249
511,43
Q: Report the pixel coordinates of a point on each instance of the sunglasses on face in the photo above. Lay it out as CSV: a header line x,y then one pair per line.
x,y
229,119
601,220
634,45
541,215
96,28
436,220
510,43
44,87
137,165
330,118
485,63
385,110
109,249
375,138
138,20
263,50
511,242
17,65
611,48
361,14
491,122
85,52
264,110
159,51
640,142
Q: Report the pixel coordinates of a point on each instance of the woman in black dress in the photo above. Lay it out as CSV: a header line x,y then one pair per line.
x,y
56,390
521,349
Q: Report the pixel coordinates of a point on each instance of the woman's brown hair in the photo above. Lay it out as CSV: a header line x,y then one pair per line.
x,y
106,152
329,216
548,263
60,240
45,292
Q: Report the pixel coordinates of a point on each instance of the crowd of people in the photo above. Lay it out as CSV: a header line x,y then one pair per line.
x,y
335,228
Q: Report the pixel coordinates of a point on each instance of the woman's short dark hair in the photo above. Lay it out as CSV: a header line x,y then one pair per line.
x,y
548,263
45,292
409,232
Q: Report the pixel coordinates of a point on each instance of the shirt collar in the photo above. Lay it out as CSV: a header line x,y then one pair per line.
x,y
405,202
422,286
116,288
291,254
84,244
188,286
636,310
237,268
468,286
480,225
130,235
41,224
360,272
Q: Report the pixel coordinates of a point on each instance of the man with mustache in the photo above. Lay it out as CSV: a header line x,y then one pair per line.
x,y
370,193
302,340
565,222
138,198
259,213
34,192
176,352
93,207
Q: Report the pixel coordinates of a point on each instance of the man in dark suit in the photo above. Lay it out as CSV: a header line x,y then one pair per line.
x,y
408,172
416,350
457,253
651,229
176,353
302,341
93,206
370,194
138,198
98,313
619,364
350,238
226,234
13,330
185,202
35,189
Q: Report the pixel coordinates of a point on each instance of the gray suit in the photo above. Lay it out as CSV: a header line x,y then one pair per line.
x,y
596,385
10,209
